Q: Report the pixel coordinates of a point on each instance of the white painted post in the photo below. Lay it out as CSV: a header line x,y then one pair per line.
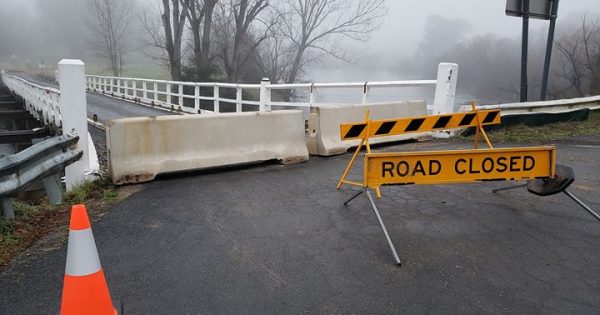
x,y
265,96
312,96
74,115
145,88
197,98
168,87
238,99
216,108
365,95
180,91
445,89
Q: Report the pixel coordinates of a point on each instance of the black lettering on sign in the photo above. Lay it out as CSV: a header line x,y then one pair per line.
x,y
387,167
456,166
513,163
471,169
418,169
435,167
487,165
528,166
406,168
501,163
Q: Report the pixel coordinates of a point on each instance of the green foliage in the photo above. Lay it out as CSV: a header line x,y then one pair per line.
x,y
111,195
81,193
8,234
549,132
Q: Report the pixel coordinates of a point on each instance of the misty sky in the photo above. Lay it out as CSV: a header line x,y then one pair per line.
x,y
403,26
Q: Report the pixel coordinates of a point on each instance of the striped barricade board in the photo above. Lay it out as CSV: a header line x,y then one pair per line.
x,y
389,127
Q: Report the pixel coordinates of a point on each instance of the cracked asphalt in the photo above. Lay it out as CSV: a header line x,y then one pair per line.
x,y
274,239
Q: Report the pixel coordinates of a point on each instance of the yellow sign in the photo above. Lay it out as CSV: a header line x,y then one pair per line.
x,y
388,127
459,166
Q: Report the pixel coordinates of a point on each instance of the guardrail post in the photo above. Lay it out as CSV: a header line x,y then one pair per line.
x,y
445,89
74,115
216,108
180,99
265,96
9,210
145,88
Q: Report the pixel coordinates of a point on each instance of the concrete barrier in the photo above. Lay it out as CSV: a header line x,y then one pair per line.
x,y
140,148
324,124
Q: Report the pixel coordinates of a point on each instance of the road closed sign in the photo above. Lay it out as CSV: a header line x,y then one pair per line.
x,y
459,166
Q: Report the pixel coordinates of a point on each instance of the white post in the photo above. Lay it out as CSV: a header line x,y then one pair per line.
x,y
216,108
265,96
180,91
365,96
312,96
197,98
168,87
238,99
445,89
145,92
74,115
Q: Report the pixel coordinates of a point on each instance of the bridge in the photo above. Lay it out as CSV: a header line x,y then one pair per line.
x,y
270,238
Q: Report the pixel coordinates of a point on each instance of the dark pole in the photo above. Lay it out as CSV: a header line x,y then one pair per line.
x,y
549,44
524,50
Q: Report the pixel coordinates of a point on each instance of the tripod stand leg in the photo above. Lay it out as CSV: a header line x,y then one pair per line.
x,y
353,196
387,236
509,187
583,205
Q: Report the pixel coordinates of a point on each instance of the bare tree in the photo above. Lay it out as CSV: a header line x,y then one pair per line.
x,y
579,59
235,39
200,15
110,23
173,18
320,25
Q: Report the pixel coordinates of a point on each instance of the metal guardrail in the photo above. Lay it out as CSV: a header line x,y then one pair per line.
x,y
41,160
174,94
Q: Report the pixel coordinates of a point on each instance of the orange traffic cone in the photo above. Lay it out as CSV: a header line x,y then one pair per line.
x,y
85,290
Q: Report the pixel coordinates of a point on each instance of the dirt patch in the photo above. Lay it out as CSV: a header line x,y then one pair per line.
x,y
46,226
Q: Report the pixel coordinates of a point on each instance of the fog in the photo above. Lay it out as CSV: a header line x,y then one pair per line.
x,y
414,36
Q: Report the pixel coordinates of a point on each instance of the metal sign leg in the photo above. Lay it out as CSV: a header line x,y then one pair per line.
x,y
353,196
387,236
583,205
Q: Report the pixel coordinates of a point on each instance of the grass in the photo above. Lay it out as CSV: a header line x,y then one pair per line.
x,y
35,219
549,132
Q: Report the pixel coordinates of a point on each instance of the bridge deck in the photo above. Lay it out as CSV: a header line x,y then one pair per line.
x,y
275,239
106,107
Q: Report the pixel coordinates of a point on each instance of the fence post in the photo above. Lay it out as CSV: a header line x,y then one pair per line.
x,y
145,92
197,98
74,115
265,96
216,108
445,89
238,99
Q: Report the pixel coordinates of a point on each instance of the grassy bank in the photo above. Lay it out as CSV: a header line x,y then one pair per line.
x,y
550,132
36,219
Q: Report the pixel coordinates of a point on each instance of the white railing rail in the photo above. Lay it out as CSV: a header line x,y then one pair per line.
x,y
188,96
40,101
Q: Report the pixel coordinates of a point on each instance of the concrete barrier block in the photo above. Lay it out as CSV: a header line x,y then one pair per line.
x,y
140,148
323,137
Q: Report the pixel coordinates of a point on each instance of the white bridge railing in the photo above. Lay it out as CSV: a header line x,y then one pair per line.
x,y
65,108
41,102
192,97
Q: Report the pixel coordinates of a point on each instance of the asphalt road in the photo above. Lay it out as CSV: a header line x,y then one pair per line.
x,y
272,239
105,107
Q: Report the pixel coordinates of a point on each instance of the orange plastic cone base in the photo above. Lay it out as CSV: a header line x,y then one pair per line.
x,y
86,295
